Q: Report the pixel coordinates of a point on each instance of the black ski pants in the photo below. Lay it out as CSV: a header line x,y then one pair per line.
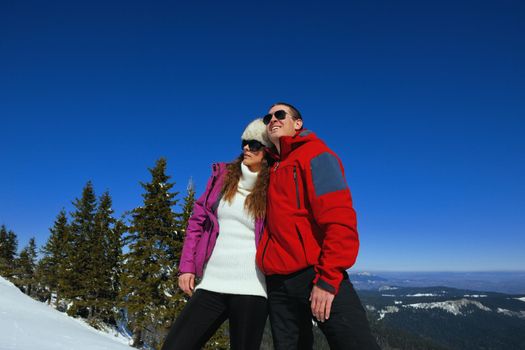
x,y
206,311
291,317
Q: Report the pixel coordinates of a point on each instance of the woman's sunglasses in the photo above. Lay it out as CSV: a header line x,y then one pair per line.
x,y
253,145
280,114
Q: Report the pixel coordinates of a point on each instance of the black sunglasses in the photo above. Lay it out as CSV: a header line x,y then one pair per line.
x,y
280,114
253,145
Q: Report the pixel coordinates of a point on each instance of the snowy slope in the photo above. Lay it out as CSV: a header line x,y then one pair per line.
x,y
26,324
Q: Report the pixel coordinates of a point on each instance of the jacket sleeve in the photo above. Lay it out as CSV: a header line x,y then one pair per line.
x,y
331,204
194,232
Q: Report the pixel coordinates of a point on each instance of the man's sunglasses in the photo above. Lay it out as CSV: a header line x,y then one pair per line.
x,y
253,145
280,114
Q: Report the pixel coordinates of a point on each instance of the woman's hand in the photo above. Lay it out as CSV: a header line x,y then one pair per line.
x,y
187,283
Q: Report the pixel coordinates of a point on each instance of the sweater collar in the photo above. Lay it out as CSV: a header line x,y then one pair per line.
x,y
248,178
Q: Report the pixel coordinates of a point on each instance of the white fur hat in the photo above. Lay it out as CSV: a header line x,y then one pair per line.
x,y
256,130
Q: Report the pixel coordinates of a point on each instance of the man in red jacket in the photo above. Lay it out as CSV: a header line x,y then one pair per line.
x,y
309,241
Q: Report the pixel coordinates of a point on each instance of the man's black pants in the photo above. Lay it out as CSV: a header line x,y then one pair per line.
x,y
291,317
206,311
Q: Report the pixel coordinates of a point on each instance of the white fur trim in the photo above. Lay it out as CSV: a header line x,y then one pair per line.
x,y
256,130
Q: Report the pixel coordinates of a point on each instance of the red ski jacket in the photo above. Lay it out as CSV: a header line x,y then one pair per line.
x,y
310,220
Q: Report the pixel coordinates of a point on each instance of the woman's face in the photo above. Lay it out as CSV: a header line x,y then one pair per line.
x,y
252,159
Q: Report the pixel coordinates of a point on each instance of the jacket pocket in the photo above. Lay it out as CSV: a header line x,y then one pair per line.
x,y
200,254
203,248
304,247
310,246
206,225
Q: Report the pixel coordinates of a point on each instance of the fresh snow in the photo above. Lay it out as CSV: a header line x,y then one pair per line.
x,y
387,310
506,312
26,324
383,288
423,295
475,296
452,306
521,299
364,274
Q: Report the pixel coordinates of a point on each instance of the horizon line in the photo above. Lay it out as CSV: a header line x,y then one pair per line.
x,y
435,271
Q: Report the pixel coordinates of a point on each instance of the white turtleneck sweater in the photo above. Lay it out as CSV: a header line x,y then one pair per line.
x,y
231,268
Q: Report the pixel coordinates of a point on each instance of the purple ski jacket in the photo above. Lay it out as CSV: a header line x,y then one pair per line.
x,y
203,225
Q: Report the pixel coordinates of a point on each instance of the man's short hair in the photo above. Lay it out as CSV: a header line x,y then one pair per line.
x,y
295,111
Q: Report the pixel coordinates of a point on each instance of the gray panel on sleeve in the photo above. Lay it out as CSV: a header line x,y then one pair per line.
x,y
326,174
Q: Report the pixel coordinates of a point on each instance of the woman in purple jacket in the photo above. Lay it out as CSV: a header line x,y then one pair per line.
x,y
220,246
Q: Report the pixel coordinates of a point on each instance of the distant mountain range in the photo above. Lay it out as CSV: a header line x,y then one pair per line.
x,y
502,282
446,317
445,310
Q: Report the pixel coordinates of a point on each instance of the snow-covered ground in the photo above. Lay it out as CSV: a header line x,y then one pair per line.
x,y
423,295
452,306
520,314
387,310
26,324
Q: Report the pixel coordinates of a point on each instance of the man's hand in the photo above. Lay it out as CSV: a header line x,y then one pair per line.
x,y
321,303
187,283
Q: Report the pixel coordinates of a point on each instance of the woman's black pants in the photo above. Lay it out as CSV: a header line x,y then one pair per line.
x,y
206,311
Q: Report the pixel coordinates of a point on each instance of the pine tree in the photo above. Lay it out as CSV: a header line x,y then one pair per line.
x,y
80,263
8,249
148,278
25,268
96,276
4,256
115,262
178,298
52,269
183,218
220,340
108,249
187,208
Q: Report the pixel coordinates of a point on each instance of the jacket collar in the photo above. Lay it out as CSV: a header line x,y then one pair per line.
x,y
218,168
290,143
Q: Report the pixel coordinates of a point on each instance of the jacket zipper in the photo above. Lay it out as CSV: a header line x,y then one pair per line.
x,y
211,189
302,244
296,187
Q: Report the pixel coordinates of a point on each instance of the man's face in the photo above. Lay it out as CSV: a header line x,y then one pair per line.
x,y
285,127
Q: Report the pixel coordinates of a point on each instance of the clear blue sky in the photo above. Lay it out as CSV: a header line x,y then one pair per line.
x,y
424,101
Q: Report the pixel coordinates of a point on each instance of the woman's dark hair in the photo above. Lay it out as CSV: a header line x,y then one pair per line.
x,y
255,203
